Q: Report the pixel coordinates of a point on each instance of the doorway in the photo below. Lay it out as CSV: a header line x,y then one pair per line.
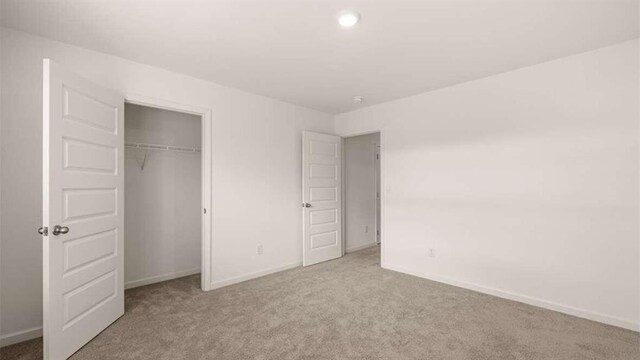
x,y
205,119
163,185
362,192
342,201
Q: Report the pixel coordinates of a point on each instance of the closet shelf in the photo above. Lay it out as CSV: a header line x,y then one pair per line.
x,y
161,147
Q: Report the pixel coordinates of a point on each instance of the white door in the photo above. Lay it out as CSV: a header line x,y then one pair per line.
x,y
321,198
83,184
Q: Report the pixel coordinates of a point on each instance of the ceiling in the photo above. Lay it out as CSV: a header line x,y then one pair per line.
x,y
295,51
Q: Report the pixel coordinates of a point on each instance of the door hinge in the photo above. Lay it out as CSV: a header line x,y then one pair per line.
x,y
44,231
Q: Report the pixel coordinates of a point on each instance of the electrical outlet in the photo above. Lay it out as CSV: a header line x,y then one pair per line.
x,y
260,250
432,252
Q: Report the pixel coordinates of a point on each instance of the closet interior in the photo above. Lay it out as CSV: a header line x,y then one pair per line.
x,y
162,232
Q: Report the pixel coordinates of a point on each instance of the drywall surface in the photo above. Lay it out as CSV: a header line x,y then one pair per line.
x,y
360,190
162,230
525,184
256,164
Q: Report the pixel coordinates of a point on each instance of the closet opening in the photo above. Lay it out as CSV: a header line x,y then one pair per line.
x,y
166,221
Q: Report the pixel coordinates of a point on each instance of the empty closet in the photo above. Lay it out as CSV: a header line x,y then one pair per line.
x,y
162,229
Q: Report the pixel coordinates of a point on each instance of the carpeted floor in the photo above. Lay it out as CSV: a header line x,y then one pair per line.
x,y
344,309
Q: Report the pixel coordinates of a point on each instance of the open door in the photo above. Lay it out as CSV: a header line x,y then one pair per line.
x,y
321,197
83,198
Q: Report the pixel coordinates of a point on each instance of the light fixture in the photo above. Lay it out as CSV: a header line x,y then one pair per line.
x,y
348,18
358,99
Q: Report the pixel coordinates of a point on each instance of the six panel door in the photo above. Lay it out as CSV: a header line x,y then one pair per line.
x,y
321,194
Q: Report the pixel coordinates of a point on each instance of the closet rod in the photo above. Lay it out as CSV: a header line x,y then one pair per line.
x,y
161,147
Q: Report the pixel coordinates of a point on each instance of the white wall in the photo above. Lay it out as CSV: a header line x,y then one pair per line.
x,y
162,237
256,167
525,183
360,191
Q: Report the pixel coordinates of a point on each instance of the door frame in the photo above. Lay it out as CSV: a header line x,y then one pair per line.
x,y
206,173
382,190
378,195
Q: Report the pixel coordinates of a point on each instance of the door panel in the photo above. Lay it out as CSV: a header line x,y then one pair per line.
x,y
83,190
321,184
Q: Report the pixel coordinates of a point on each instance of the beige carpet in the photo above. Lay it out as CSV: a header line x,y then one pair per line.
x,y
344,309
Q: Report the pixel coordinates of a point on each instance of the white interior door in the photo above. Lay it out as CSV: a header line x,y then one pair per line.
x,y
321,197
83,193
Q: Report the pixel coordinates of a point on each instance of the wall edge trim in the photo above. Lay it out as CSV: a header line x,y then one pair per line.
x,y
361,247
545,304
254,275
20,336
159,278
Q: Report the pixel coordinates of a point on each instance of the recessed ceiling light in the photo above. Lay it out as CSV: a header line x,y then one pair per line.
x,y
358,99
348,18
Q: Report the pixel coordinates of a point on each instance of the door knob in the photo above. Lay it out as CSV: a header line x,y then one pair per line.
x,y
57,230
43,230
307,205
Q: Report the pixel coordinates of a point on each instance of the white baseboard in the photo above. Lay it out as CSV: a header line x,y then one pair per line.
x,y
361,247
20,336
24,335
585,314
158,278
253,275
33,333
